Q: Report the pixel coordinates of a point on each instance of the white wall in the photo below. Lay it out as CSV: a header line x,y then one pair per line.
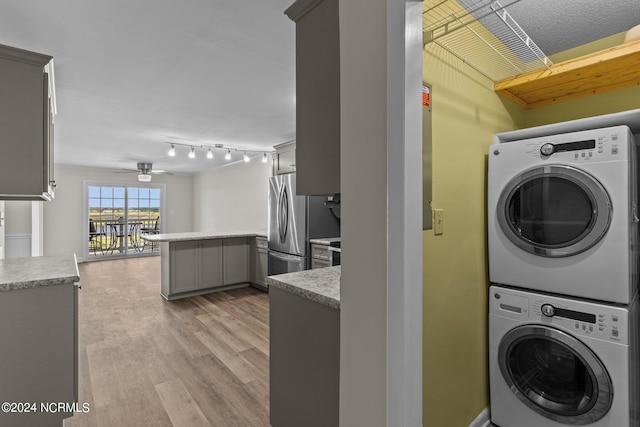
x,y
18,217
233,197
63,217
381,283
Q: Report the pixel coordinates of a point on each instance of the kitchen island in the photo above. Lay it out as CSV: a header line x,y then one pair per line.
x,y
195,263
304,337
39,336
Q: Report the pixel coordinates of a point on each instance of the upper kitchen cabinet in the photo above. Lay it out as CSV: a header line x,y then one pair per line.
x,y
284,158
26,125
317,96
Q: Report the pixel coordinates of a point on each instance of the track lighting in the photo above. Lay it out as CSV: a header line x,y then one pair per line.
x,y
212,147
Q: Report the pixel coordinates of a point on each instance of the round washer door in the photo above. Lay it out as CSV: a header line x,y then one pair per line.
x,y
555,374
554,211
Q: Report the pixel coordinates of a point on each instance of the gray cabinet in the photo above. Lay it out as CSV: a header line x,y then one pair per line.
x,y
320,256
195,265
284,159
210,263
184,263
26,125
317,96
38,331
2,232
259,261
304,361
235,260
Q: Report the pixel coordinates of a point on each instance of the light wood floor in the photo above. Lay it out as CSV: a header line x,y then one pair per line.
x,y
144,361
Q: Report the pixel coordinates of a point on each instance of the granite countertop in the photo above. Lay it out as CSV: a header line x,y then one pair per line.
x,y
199,235
324,240
34,272
321,285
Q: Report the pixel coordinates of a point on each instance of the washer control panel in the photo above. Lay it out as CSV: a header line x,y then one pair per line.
x,y
583,318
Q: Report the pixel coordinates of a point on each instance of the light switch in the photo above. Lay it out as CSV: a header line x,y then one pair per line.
x,y
438,222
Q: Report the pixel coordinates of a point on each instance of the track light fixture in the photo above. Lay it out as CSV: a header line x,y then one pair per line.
x,y
211,148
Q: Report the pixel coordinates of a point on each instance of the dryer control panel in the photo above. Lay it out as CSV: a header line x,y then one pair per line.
x,y
578,317
596,145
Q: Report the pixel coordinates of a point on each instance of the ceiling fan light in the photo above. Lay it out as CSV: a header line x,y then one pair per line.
x,y
264,157
228,155
246,158
209,154
192,153
172,151
143,177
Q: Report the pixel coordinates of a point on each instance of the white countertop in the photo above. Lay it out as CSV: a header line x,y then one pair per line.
x,y
321,285
199,235
33,272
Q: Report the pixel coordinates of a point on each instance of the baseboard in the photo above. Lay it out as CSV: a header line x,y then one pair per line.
x,y
482,420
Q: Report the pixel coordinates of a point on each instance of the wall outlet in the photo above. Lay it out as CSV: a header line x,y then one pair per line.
x,y
438,222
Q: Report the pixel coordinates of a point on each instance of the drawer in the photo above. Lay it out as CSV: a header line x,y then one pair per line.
x,y
320,252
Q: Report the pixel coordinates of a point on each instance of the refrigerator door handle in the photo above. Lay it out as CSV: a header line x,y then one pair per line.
x,y
283,210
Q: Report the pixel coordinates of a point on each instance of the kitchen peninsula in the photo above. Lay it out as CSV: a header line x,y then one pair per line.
x,y
195,263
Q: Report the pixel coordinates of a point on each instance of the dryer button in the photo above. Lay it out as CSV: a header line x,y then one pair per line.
x,y
548,310
547,149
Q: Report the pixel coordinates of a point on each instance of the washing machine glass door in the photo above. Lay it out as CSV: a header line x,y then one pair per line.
x,y
555,374
554,211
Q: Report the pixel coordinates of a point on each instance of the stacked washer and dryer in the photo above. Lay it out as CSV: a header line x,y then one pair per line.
x,y
563,266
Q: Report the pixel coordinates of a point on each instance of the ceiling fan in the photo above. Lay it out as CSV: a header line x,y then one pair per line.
x,y
145,170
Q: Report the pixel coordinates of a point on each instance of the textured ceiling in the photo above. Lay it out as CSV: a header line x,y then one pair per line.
x,y
558,25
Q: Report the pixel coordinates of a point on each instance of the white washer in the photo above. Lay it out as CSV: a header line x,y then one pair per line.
x,y
564,206
557,361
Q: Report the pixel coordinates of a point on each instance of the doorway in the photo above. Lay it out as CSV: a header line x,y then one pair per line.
x,y
118,215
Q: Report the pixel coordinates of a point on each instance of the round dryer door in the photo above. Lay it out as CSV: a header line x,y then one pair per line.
x,y
554,211
555,375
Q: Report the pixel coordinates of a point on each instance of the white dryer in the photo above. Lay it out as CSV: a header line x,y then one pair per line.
x,y
562,214
557,361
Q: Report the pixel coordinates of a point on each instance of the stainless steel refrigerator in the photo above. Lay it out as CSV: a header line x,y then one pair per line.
x,y
293,220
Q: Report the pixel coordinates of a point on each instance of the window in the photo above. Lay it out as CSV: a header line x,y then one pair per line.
x,y
118,215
